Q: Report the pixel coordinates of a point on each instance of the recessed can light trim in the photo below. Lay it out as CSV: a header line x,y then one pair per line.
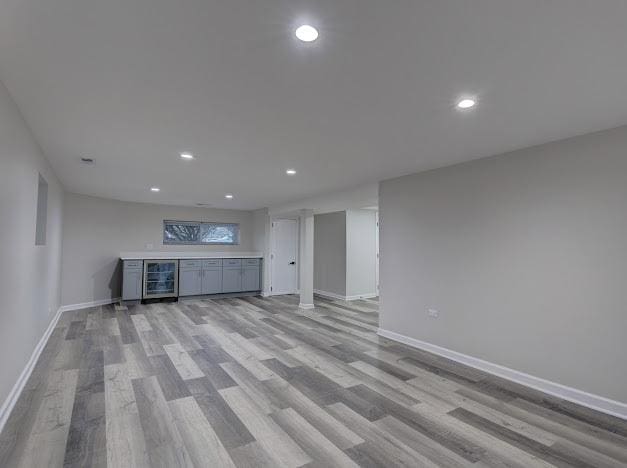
x,y
187,156
228,196
466,103
155,189
290,171
306,33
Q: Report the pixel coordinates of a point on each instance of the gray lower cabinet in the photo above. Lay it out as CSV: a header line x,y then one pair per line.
x,y
231,279
250,279
132,280
200,277
212,280
190,282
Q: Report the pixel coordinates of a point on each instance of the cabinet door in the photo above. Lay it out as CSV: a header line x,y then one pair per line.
x,y
132,285
190,282
231,280
250,279
212,280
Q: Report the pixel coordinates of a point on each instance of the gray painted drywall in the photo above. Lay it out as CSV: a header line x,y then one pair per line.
x,y
260,219
29,274
524,255
96,230
330,252
261,243
361,252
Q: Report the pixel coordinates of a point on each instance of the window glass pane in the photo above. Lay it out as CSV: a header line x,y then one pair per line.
x,y
218,233
181,233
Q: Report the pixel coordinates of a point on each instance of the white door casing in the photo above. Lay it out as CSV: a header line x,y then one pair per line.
x,y
284,256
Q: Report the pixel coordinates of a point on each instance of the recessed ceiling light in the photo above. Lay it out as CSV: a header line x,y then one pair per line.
x,y
306,33
87,161
187,156
155,189
228,195
466,103
290,171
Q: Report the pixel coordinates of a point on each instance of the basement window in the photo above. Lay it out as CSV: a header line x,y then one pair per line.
x,y
200,233
42,211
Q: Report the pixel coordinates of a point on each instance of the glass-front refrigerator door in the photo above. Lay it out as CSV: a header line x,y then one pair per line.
x,y
161,278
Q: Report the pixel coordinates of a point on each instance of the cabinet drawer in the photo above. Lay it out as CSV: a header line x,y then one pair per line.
x,y
214,262
250,262
190,264
232,262
133,264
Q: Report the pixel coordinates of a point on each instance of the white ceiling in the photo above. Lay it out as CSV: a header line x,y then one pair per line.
x,y
132,83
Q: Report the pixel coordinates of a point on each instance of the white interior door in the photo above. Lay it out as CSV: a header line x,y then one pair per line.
x,y
284,256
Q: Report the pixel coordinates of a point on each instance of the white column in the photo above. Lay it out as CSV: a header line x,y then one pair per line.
x,y
306,259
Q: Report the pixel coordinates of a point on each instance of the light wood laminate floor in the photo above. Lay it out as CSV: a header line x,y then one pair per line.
x,y
257,382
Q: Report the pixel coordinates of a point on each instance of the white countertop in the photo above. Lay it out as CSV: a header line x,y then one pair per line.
x,y
154,255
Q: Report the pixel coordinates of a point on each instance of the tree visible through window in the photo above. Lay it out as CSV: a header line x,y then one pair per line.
x,y
200,233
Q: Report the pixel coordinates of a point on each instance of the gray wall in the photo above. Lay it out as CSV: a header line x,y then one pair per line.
x,y
524,255
361,252
96,230
330,252
29,274
261,243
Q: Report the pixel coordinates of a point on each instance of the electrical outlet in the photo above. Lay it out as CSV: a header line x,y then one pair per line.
x,y
433,313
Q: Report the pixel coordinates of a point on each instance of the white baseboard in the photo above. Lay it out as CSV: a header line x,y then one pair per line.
x,y
305,306
589,400
87,305
16,391
361,296
332,295
344,298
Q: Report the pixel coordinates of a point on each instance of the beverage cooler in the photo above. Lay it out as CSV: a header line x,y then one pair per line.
x,y
161,278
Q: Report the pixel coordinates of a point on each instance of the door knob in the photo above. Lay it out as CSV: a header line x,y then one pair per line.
x,y
292,263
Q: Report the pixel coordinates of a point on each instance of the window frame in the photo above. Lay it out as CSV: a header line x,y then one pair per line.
x,y
234,226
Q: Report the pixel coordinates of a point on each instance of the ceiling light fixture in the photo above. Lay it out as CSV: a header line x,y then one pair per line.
x,y
306,33
187,156
87,161
155,189
466,103
290,171
228,196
